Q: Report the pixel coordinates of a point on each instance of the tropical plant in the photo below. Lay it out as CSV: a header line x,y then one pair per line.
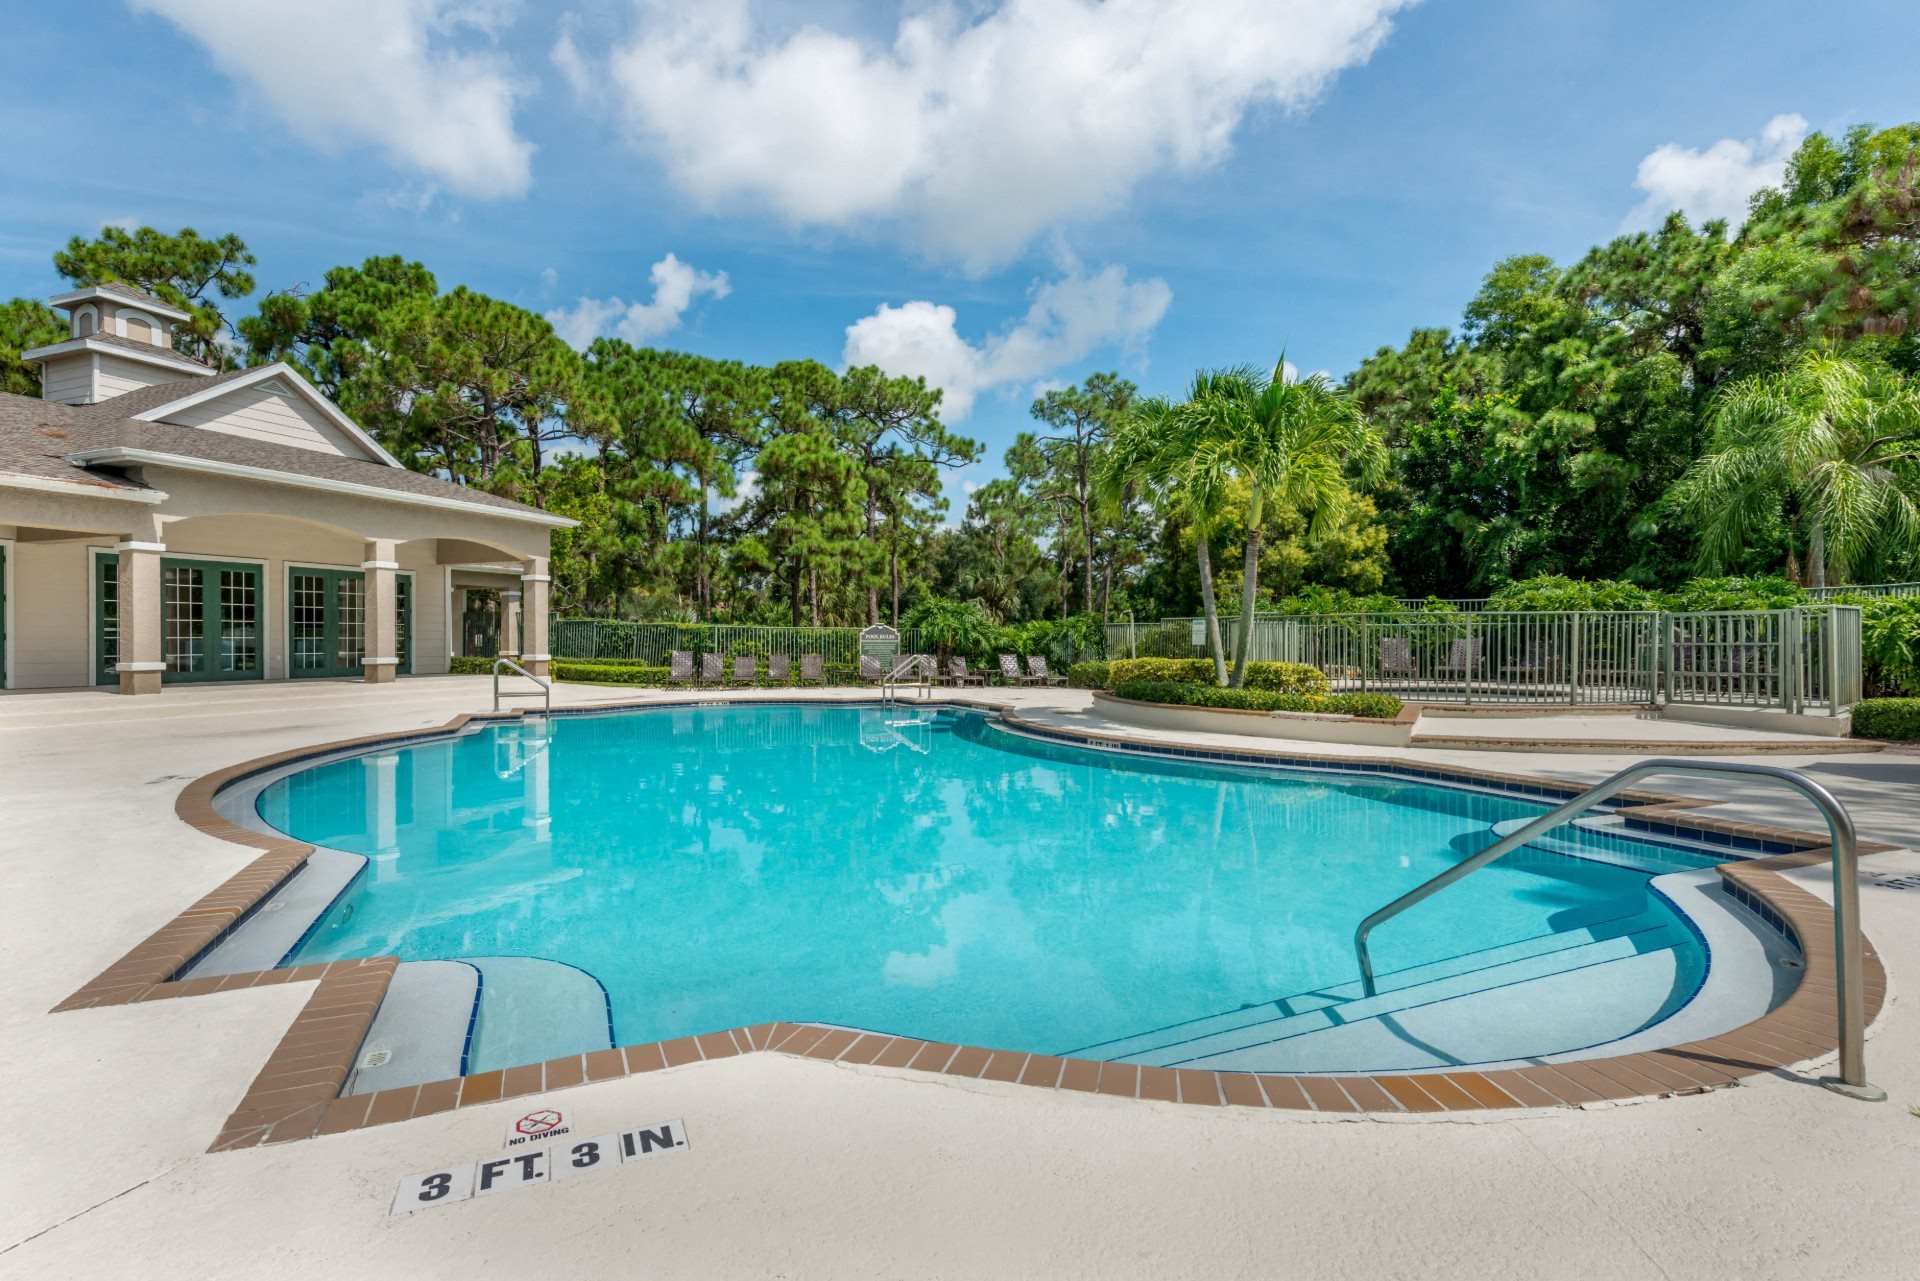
x,y
1829,445
951,626
1297,441
1157,448
1555,592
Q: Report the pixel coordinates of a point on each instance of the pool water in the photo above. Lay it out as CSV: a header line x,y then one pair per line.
x,y
932,874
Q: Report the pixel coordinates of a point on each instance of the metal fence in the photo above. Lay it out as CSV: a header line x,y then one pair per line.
x,y
1864,589
1798,660
651,643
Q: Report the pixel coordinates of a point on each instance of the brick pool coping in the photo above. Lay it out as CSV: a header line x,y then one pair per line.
x,y
296,1094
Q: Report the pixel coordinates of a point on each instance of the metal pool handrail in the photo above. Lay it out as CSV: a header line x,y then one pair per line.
x,y
1849,996
546,687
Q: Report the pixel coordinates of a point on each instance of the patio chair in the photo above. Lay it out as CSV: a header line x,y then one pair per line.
x,y
1396,657
1038,673
1534,660
1010,673
779,669
1462,658
713,669
958,675
812,670
680,667
872,671
746,670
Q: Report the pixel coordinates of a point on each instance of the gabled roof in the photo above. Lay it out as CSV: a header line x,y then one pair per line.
x,y
227,384
85,444
133,348
119,293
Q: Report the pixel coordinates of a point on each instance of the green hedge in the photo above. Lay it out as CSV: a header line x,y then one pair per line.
x,y
1286,678
1093,675
1371,706
609,673
1895,718
1189,671
463,665
1278,678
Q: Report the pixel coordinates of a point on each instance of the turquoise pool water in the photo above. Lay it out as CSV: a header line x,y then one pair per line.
x,y
931,874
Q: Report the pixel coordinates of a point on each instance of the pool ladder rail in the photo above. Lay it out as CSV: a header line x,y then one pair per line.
x,y
546,686
1849,993
906,671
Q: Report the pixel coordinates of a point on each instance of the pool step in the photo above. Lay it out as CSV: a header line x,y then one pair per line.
x,y
420,1032
1654,936
531,1010
1563,951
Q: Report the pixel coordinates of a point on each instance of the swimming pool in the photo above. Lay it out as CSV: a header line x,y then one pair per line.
x,y
929,873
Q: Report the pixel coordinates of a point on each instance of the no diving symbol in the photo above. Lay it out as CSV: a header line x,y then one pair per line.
x,y
535,1124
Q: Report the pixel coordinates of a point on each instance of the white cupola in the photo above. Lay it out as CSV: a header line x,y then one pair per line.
x,y
119,338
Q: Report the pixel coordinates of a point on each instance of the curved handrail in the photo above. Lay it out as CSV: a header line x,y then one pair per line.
x,y
546,686
1849,993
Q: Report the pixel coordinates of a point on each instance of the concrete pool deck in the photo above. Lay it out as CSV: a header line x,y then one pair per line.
x,y
814,1169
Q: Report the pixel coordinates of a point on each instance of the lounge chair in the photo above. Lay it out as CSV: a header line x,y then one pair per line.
x,y
713,669
1532,661
1462,659
1037,672
872,670
746,670
779,669
1396,657
959,676
1010,673
680,667
812,670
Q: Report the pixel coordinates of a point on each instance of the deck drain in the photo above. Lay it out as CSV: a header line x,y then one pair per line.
x,y
376,1058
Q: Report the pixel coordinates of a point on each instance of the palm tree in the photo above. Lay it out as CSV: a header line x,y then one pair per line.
x,y
1298,441
1156,447
1829,444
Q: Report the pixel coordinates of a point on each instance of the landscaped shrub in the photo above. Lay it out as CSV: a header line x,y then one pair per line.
x,y
1190,671
1890,639
1764,592
1333,600
469,665
1090,675
1286,678
1371,706
1550,592
1896,718
609,673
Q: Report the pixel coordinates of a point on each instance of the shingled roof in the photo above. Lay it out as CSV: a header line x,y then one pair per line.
x,y
39,439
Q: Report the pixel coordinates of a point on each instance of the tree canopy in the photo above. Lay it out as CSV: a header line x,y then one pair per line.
x,y
1690,398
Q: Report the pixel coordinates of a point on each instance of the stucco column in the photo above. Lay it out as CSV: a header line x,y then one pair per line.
x,y
510,625
138,614
383,603
536,591
457,606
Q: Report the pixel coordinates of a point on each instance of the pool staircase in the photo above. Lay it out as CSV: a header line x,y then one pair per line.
x,y
448,1018
1481,1006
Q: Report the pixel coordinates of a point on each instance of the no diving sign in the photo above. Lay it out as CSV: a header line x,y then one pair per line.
x,y
528,1163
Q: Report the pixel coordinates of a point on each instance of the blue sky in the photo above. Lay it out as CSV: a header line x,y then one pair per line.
x,y
1001,195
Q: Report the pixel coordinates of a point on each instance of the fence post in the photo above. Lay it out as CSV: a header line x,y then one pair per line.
x,y
1787,657
1830,644
1660,679
1577,687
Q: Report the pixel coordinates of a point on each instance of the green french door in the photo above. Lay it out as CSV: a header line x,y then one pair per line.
x,y
210,620
327,622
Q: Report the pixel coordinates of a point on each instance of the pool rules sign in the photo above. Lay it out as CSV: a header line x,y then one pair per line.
x,y
533,1157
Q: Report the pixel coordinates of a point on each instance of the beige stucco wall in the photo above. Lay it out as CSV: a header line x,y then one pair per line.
x,y
50,583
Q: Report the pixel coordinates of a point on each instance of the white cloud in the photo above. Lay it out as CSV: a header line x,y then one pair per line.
x,y
404,75
675,286
1716,182
975,133
1068,320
